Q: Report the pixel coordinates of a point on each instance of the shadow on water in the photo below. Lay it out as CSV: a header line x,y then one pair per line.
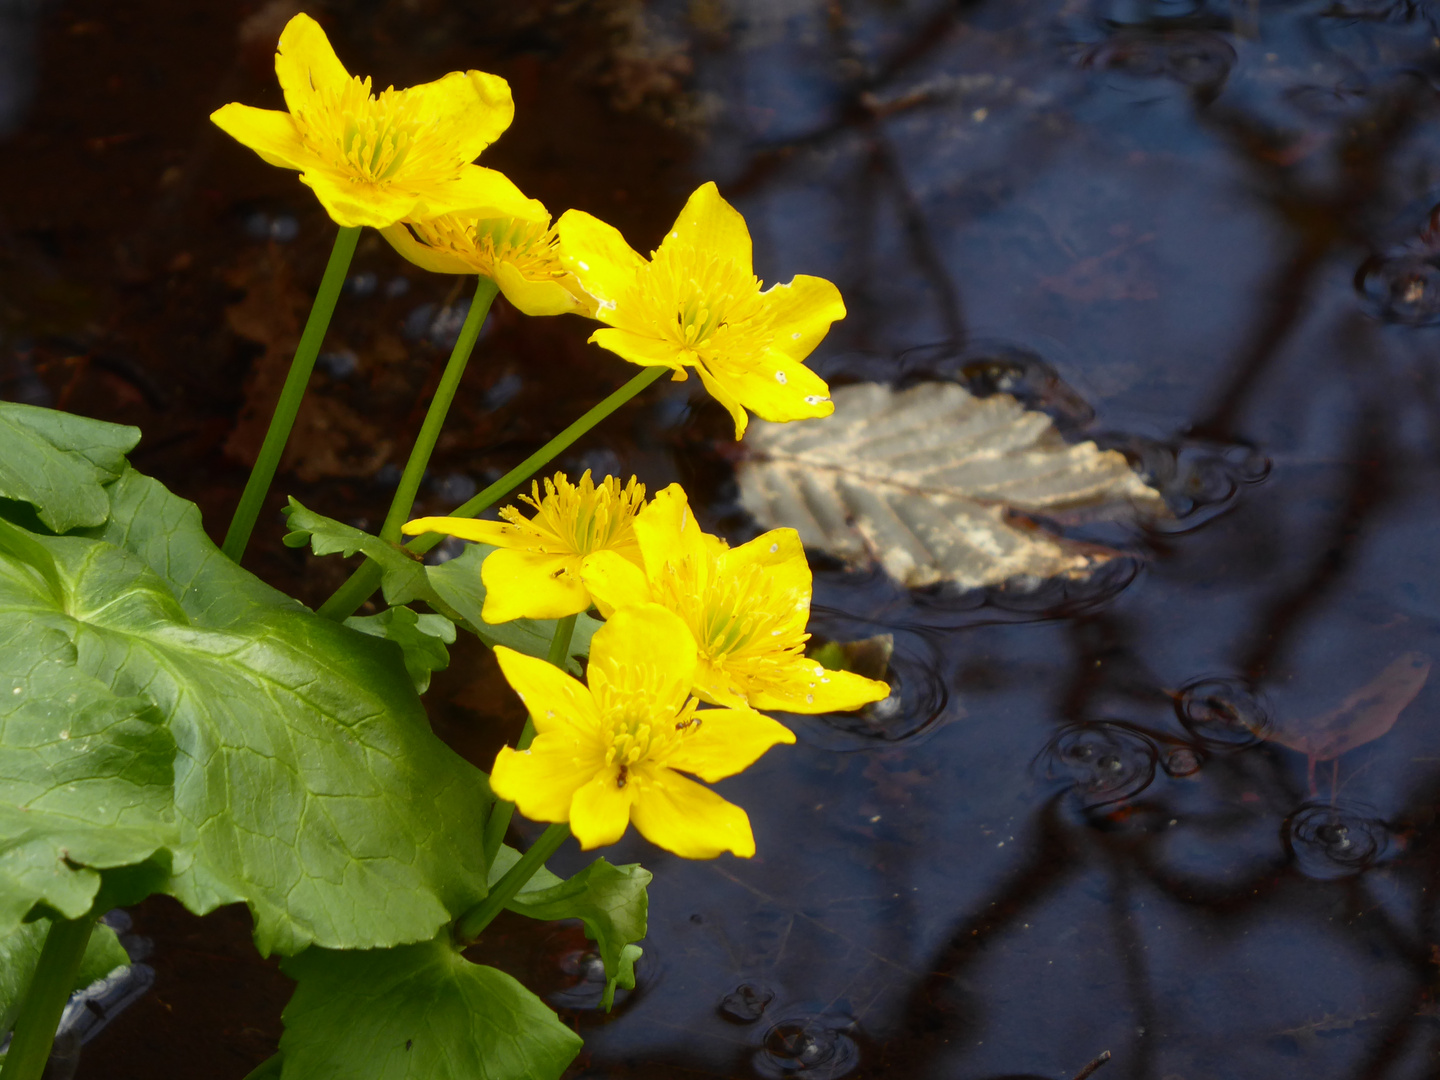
x,y
1171,811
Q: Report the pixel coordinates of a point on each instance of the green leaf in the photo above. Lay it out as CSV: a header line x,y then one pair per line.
x,y
86,775
403,577
20,953
307,783
60,464
458,584
418,1011
610,900
422,639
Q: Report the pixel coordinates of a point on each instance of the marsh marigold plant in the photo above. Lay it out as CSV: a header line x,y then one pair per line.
x,y
537,572
613,751
746,607
697,303
375,159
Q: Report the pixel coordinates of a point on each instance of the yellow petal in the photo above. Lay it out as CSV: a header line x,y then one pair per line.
x,y
720,392
779,551
777,388
466,110
423,255
681,816
499,533
613,581
547,297
351,202
709,224
531,585
715,685
802,312
810,688
600,811
642,350
542,781
598,256
645,648
669,533
306,63
477,192
557,703
271,134
725,742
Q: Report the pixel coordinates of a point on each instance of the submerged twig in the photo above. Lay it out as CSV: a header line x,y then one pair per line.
x,y
1089,1070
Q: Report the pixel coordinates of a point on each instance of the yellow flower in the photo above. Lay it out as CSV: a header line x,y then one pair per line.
x,y
373,160
608,753
517,254
536,574
697,303
746,607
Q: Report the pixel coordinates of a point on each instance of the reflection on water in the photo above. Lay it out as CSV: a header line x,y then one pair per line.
x,y
1201,232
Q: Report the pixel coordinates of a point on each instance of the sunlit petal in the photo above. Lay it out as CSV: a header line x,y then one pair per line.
x,y
723,742
538,298
637,644
531,585
427,258
600,811
709,224
269,133
801,313
668,532
613,581
468,110
306,64
598,256
809,688
777,388
542,781
474,191
692,821
645,351
556,702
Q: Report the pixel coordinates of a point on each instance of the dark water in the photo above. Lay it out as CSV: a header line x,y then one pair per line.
x,y
1202,233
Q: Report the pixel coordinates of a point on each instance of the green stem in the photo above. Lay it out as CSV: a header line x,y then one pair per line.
x,y
39,1015
469,926
365,580
283,418
500,814
404,500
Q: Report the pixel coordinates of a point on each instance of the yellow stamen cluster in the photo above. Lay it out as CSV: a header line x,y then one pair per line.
x,y
529,246
578,518
709,306
643,717
373,135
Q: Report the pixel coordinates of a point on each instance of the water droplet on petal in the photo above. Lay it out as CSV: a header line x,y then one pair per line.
x,y
780,378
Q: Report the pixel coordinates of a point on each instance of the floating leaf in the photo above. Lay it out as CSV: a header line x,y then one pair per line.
x,y
610,900
307,782
422,639
923,481
417,1011
1362,717
59,463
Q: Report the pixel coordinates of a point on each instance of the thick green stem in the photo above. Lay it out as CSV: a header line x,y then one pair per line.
x,y
283,418
500,814
470,925
364,581
39,1015
404,500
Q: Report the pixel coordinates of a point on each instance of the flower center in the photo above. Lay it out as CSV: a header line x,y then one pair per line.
x,y
643,718
367,135
529,246
578,519
739,618
707,305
